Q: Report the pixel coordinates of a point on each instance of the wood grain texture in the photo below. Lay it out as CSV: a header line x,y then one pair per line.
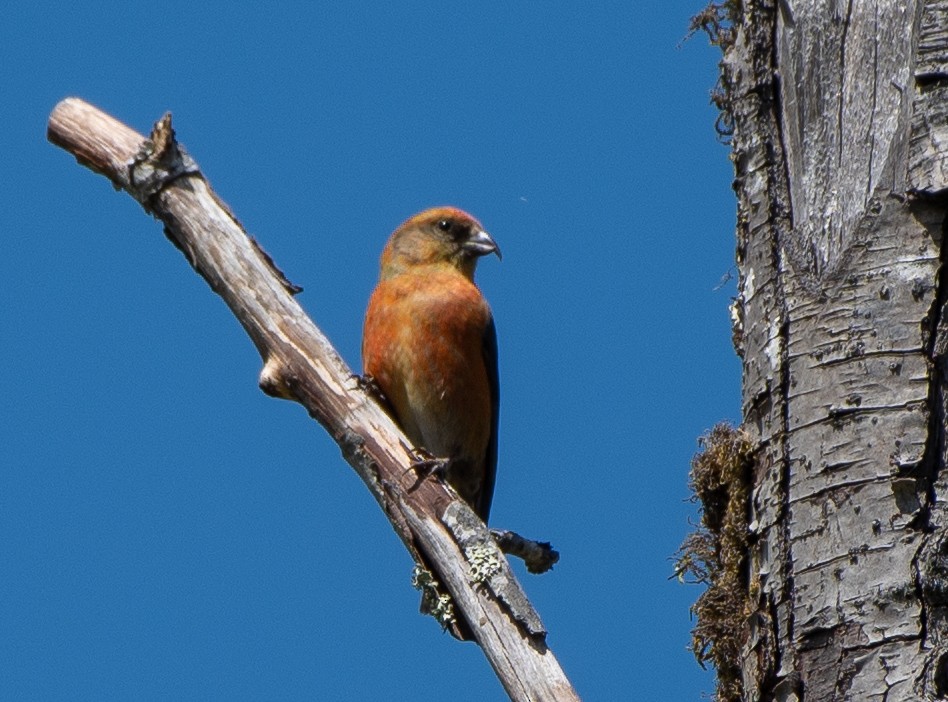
x,y
845,96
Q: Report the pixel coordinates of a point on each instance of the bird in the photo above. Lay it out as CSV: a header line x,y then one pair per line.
x,y
429,345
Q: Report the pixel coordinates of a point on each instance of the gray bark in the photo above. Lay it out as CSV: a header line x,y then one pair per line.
x,y
840,115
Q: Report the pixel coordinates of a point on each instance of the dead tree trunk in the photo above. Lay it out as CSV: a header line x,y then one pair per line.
x,y
840,144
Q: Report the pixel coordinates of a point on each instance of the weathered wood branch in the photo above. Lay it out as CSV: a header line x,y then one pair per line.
x,y
439,530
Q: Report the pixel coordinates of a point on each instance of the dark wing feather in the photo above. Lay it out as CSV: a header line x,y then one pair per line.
x,y
490,458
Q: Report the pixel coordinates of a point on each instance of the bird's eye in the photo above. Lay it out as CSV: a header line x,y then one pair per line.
x,y
444,225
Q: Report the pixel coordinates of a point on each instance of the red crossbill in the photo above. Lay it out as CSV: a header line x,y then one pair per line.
x,y
430,346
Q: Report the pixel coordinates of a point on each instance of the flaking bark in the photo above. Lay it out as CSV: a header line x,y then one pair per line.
x,y
840,148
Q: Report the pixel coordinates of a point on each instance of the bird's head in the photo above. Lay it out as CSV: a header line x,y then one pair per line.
x,y
441,236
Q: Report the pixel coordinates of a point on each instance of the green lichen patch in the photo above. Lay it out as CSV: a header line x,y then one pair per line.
x,y
433,601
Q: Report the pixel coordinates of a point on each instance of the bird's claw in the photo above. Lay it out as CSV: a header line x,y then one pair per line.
x,y
424,464
370,386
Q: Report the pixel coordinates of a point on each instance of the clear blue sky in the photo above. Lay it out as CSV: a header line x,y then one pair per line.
x,y
167,532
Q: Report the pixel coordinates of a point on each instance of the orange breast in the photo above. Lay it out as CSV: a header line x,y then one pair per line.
x,y
423,343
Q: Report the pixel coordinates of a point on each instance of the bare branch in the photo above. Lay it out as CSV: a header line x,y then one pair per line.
x,y
439,530
539,556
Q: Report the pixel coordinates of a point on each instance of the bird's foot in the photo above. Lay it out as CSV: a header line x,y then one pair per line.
x,y
424,464
370,386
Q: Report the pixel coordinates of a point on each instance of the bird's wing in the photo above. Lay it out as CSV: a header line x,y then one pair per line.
x,y
490,459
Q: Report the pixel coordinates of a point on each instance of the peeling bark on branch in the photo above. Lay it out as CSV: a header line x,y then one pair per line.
x,y
438,529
